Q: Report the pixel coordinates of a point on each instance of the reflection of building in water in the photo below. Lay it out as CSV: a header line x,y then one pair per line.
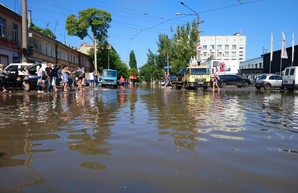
x,y
224,118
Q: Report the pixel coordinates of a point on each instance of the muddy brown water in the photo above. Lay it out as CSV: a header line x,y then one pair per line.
x,y
149,140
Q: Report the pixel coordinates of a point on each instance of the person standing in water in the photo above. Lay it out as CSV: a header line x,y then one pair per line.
x,y
215,81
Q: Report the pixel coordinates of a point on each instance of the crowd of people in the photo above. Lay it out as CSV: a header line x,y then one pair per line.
x,y
68,79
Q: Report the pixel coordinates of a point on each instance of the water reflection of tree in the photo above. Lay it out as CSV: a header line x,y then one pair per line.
x,y
176,115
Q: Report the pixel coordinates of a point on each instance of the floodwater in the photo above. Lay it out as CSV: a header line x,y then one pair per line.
x,y
149,140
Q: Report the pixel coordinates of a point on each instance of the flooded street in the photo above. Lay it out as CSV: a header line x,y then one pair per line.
x,y
149,140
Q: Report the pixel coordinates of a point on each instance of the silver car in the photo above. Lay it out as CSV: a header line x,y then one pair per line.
x,y
268,81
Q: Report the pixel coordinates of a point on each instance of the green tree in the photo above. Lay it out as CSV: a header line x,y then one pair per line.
x,y
132,60
153,69
45,31
164,45
179,48
94,19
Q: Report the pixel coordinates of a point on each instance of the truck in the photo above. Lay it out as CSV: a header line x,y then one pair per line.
x,y
109,78
290,78
193,77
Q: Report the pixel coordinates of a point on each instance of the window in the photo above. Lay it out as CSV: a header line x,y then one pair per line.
x,y
219,47
234,47
227,54
3,28
212,47
62,55
233,54
43,48
53,51
204,47
49,50
227,47
292,70
58,53
15,32
260,65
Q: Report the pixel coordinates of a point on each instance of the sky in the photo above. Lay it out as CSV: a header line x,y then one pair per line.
x,y
136,24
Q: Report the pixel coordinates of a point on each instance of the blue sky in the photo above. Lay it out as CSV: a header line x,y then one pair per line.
x,y
136,24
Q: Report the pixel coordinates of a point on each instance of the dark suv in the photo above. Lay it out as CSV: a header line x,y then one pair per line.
x,y
233,80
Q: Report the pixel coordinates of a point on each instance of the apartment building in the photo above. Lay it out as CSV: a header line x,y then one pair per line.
x,y
223,47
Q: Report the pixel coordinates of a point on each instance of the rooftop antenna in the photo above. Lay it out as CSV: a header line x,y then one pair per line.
x,y
55,26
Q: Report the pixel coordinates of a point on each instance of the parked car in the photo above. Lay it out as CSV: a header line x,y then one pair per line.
x,y
20,67
15,74
225,80
268,81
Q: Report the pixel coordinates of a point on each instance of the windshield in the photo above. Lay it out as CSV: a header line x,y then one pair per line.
x,y
262,77
199,71
109,73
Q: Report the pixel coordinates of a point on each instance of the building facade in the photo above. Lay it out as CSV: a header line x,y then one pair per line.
x,y
45,48
277,65
252,68
223,47
10,36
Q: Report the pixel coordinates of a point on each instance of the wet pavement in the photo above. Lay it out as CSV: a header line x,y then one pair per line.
x,y
146,140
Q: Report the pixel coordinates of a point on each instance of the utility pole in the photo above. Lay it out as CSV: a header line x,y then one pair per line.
x,y
95,54
108,56
198,48
24,29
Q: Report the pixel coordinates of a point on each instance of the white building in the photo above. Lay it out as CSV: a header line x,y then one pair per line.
x,y
252,67
223,47
256,63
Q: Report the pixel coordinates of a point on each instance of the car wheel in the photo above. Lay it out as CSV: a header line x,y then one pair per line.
x,y
267,86
245,84
223,84
184,85
258,87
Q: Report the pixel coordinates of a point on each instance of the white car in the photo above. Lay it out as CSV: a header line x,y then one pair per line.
x,y
20,67
268,81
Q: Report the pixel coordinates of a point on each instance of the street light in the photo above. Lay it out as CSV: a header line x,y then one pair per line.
x,y
198,48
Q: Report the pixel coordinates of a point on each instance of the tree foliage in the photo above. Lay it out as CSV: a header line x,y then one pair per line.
x,y
133,61
153,69
177,50
92,19
45,31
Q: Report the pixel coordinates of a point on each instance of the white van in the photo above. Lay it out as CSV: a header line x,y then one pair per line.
x,y
290,78
20,67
